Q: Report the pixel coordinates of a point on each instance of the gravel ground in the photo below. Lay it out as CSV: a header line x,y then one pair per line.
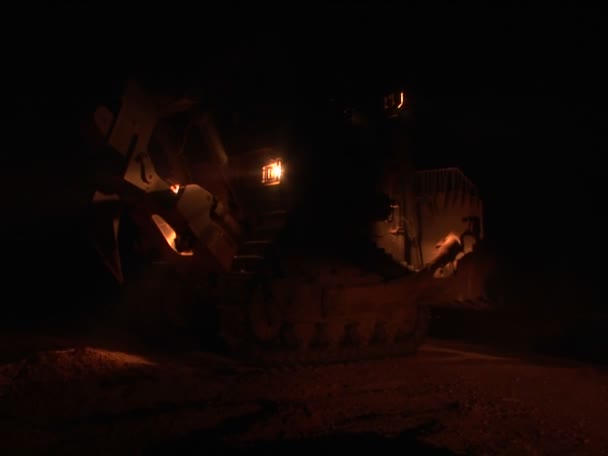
x,y
448,399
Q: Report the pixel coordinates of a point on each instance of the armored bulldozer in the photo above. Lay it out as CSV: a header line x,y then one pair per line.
x,y
319,243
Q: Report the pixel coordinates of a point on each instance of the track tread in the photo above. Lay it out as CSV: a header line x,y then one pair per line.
x,y
238,332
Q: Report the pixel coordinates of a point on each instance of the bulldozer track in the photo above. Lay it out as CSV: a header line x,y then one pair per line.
x,y
292,341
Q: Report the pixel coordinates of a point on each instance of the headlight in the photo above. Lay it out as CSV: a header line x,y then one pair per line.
x,y
272,172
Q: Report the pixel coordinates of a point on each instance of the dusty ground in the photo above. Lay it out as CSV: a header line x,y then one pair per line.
x,y
449,399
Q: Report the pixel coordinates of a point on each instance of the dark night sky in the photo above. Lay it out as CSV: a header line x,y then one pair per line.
x,y
514,97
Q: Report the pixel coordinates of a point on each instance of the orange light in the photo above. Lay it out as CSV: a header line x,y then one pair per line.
x,y
175,188
401,100
272,173
394,102
169,234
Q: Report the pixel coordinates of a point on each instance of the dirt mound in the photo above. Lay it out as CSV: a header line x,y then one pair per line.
x,y
72,364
